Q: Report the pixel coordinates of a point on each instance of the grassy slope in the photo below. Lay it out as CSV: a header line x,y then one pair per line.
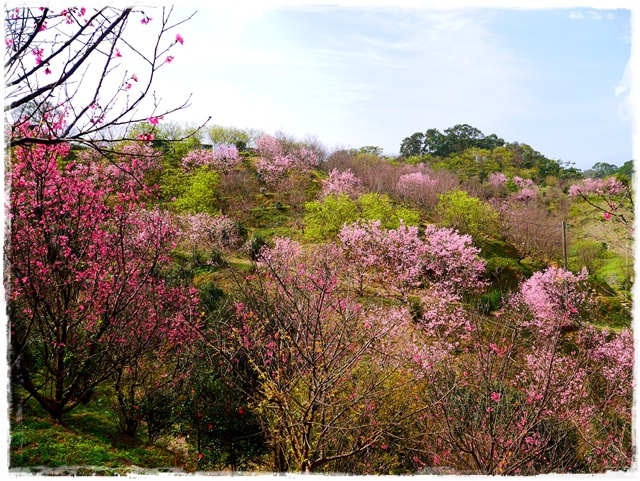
x,y
611,245
87,438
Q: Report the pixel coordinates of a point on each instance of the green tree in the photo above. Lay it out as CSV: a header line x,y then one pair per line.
x,y
198,192
454,140
461,137
600,170
371,150
434,143
412,146
324,219
380,207
627,169
467,214
241,138
473,162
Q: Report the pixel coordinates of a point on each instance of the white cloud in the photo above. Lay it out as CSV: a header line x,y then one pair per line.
x,y
591,15
623,92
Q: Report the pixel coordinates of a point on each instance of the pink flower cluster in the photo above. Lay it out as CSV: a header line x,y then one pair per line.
x,y
275,162
222,157
522,183
106,250
556,299
527,194
135,161
410,185
342,183
497,179
400,259
204,231
606,187
452,260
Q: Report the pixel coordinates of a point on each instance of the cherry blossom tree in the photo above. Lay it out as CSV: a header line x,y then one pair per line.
x,y
86,294
419,188
277,160
50,57
557,299
204,231
222,158
524,395
344,182
532,230
610,196
399,260
309,351
497,180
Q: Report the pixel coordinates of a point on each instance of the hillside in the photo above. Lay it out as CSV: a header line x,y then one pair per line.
x,y
286,308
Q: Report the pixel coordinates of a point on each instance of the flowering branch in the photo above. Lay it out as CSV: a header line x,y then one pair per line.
x,y
69,43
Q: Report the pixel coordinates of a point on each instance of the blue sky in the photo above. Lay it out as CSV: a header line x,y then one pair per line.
x,y
557,79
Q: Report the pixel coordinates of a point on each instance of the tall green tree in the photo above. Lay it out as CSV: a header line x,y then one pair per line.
x,y
454,140
412,146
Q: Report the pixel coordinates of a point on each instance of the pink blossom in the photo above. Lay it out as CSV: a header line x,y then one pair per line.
x,y
415,185
275,163
603,187
341,183
222,157
134,77
203,231
495,396
179,39
556,298
527,194
38,53
47,71
145,20
522,183
153,120
118,54
497,179
400,259
607,215
97,224
169,59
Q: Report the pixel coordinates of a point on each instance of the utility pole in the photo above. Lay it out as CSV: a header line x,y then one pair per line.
x,y
564,244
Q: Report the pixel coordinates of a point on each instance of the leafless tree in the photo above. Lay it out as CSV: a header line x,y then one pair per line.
x,y
82,64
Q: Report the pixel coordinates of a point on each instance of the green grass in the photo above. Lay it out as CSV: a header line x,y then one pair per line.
x,y
87,438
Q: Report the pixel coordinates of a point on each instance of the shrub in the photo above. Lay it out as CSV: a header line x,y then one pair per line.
x,y
468,215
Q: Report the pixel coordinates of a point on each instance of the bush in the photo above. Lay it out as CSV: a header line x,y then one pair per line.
x,y
325,218
468,215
